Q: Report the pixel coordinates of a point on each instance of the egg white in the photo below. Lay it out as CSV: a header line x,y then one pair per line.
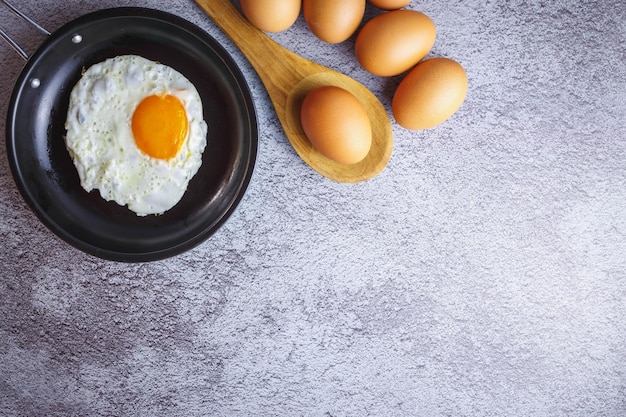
x,y
100,139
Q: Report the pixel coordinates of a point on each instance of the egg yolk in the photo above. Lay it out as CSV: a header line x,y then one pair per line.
x,y
160,126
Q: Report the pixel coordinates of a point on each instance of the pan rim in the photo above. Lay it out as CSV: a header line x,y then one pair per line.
x,y
250,130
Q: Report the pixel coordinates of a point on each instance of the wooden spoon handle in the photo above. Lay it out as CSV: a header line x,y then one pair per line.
x,y
278,68
236,26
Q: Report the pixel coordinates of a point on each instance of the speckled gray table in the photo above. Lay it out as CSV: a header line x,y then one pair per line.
x,y
483,273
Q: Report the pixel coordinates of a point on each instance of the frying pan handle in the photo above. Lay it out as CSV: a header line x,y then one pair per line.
x,y
9,40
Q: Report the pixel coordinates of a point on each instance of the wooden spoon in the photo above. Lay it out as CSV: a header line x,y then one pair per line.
x,y
288,78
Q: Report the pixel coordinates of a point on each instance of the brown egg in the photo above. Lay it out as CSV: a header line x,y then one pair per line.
x,y
390,4
333,21
271,15
337,124
394,42
429,94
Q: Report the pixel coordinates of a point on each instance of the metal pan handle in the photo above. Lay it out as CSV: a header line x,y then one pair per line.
x,y
9,40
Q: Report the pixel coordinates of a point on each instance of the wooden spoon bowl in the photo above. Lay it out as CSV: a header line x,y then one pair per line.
x,y
288,78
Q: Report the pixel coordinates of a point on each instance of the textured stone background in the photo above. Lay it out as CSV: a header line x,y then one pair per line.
x,y
483,273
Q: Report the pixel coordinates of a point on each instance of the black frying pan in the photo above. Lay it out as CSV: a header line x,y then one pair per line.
x,y
43,169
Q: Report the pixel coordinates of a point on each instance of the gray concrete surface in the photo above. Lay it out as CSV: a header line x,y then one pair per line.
x,y
483,273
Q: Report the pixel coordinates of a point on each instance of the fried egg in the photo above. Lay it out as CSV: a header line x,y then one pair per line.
x,y
136,133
